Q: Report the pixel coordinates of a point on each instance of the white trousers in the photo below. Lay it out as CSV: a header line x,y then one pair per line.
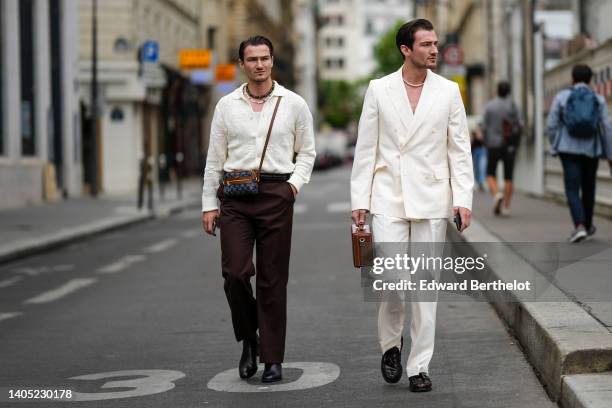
x,y
391,309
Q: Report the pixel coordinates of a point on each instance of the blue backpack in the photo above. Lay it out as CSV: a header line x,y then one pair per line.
x,y
581,113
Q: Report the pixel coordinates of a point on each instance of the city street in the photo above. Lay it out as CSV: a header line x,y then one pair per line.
x,y
143,308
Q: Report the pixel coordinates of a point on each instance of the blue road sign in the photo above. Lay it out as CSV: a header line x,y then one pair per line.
x,y
150,51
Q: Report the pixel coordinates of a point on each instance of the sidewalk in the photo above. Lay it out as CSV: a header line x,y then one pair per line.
x,y
29,230
569,343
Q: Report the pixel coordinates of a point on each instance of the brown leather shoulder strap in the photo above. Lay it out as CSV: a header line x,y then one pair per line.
x,y
263,154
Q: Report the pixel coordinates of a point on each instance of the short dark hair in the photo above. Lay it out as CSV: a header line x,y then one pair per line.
x,y
255,40
503,89
582,73
405,35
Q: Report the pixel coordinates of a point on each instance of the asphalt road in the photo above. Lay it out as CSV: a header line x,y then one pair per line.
x,y
144,309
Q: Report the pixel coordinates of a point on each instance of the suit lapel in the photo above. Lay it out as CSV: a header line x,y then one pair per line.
x,y
426,101
399,99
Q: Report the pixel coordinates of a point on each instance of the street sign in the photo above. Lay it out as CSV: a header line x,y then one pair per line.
x,y
194,58
150,52
225,72
202,76
452,55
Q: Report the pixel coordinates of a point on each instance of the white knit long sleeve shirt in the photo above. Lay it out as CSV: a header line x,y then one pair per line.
x,y
237,139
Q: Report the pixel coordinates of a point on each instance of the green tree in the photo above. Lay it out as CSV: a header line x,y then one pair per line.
x,y
388,57
339,103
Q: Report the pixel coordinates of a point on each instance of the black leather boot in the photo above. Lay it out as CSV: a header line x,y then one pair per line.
x,y
273,372
248,361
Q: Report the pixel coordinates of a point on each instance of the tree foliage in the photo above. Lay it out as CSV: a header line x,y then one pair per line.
x,y
340,103
388,57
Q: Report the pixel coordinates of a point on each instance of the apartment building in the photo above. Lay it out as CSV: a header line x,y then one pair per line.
x,y
148,108
40,144
349,31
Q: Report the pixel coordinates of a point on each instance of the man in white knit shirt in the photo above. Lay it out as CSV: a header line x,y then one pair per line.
x,y
264,220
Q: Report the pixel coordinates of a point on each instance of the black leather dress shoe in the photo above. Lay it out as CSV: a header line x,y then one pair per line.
x,y
391,364
420,383
248,361
273,372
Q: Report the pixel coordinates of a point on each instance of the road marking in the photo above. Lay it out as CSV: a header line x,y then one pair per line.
x,y
154,382
32,271
343,206
122,264
192,233
10,282
64,290
313,375
9,315
161,246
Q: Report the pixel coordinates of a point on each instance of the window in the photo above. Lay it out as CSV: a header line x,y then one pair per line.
x,y
26,57
334,63
1,81
340,42
210,34
369,30
328,41
335,20
56,124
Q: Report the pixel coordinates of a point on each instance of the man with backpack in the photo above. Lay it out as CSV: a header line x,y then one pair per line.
x,y
502,129
580,133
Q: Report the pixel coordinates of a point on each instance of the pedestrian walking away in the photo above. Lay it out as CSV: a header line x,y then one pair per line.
x,y
479,151
255,133
502,131
580,133
412,165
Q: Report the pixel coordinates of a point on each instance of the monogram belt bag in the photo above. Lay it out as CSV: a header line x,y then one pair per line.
x,y
246,182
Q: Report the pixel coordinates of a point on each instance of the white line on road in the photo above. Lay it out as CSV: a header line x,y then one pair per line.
x,y
313,375
35,271
64,290
122,264
161,246
344,206
10,282
9,315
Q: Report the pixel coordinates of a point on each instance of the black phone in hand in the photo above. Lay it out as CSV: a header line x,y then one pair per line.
x,y
458,221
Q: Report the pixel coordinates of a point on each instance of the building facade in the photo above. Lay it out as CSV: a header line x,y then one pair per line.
x,y
40,145
149,111
305,58
349,31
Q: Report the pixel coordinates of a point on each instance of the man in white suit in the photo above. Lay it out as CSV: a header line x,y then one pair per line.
x,y
412,165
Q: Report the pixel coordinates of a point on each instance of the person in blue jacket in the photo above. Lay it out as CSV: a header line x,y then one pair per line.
x,y
580,133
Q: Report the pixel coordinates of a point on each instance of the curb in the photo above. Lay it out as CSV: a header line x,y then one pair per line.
x,y
587,391
559,337
66,236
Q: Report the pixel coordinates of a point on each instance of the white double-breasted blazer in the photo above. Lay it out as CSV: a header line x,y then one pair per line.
x,y
414,166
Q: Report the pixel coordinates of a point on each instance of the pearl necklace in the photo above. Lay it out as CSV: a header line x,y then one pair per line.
x,y
413,85
257,100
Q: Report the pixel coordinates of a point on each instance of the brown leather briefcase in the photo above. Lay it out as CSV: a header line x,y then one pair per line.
x,y
363,250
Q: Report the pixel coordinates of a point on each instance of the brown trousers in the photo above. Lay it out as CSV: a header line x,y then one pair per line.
x,y
264,221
